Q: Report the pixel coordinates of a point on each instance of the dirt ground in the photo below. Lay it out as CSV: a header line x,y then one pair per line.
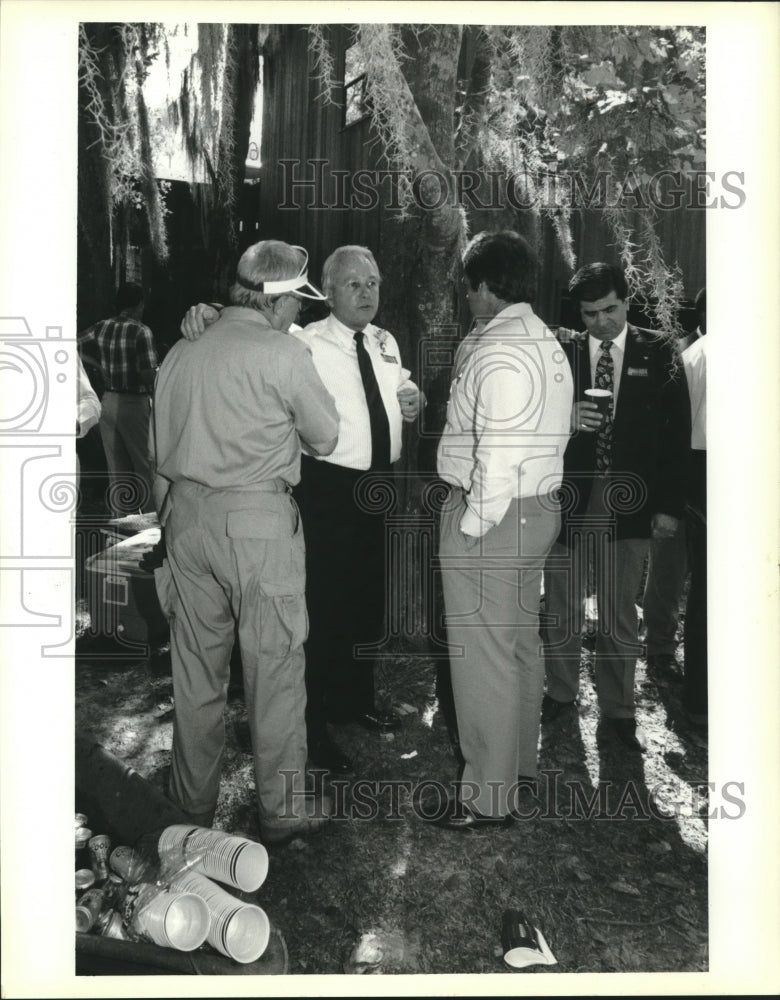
x,y
617,884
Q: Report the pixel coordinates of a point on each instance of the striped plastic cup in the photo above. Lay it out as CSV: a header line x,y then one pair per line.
x,y
239,930
236,861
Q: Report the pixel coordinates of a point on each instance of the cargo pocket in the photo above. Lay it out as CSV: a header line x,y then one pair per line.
x,y
278,555
284,624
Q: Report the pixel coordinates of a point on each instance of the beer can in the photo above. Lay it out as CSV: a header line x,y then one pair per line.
x,y
131,865
88,909
99,847
85,879
83,836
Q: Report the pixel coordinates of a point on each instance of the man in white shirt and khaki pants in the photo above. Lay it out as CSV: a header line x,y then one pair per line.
x,y
502,452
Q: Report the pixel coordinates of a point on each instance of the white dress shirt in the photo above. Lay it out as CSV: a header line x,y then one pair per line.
x,y
507,417
695,362
334,352
618,352
88,413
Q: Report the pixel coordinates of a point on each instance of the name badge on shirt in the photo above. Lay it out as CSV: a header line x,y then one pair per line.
x,y
390,359
638,371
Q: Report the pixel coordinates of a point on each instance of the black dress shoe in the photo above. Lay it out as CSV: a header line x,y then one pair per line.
x,y
664,666
460,817
628,733
551,708
329,755
378,722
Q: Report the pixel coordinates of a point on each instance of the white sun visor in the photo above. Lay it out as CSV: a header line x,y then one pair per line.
x,y
299,284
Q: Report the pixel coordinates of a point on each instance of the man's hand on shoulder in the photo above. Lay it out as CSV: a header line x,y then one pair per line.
x,y
564,335
197,318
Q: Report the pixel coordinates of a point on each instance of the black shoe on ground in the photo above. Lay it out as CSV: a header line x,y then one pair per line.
x,y
664,666
627,732
459,817
377,721
326,754
551,708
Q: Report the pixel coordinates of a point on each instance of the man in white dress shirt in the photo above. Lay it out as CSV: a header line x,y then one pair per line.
x,y
345,541
502,452
346,570
667,565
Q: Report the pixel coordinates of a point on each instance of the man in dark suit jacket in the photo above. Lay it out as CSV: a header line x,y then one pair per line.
x,y
624,482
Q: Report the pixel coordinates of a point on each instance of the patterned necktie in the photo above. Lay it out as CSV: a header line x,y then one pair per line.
x,y
605,380
380,425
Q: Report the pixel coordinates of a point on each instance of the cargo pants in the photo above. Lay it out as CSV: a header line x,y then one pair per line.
x,y
237,562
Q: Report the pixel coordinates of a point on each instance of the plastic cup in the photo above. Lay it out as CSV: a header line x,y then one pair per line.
x,y
601,397
519,939
239,930
171,919
236,861
113,928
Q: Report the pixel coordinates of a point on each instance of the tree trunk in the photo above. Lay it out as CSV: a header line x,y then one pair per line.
x,y
95,279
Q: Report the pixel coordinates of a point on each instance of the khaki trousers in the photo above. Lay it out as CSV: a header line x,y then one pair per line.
x,y
237,560
492,591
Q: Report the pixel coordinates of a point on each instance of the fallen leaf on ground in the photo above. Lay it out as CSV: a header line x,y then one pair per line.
x,y
670,881
625,888
659,847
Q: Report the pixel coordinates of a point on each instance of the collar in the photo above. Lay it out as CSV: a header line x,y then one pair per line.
x,y
509,312
246,315
619,342
345,333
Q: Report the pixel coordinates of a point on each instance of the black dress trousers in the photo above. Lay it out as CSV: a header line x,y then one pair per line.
x,y
345,592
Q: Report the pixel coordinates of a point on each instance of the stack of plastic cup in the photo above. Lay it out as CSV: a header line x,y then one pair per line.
x,y
178,920
235,861
239,930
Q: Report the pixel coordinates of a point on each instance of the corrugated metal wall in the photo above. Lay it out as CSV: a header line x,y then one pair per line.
x,y
298,125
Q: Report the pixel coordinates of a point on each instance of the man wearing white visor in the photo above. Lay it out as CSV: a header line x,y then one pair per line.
x,y
231,415
347,574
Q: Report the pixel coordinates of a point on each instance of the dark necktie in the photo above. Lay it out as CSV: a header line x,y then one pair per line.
x,y
605,380
380,425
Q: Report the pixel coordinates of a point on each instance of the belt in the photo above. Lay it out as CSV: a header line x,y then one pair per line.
x,y
191,488
129,392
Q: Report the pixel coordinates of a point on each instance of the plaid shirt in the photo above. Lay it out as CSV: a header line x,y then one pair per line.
x,y
126,348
